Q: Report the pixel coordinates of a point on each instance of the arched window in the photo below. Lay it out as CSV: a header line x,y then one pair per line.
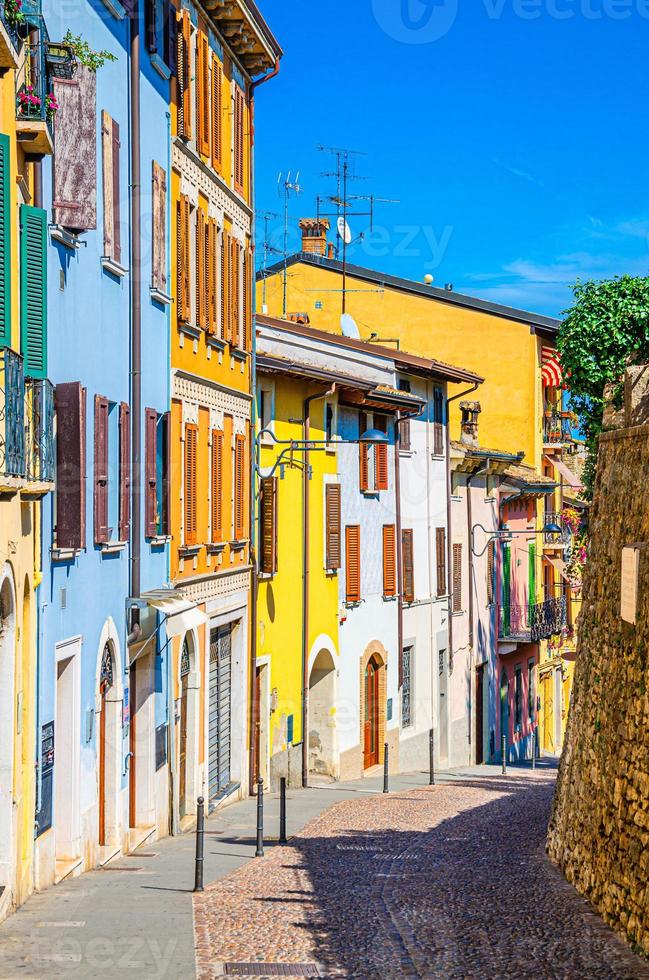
x,y
185,658
106,677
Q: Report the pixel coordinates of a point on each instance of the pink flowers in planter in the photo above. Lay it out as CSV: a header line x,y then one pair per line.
x,y
13,11
29,104
51,104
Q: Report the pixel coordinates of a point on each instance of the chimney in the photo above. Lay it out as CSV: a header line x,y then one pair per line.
x,y
331,251
314,235
470,412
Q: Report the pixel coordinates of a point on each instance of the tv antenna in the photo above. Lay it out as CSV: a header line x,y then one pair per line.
x,y
287,185
268,249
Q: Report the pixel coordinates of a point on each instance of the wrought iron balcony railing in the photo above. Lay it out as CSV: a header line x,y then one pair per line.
x,y
12,19
514,623
534,622
562,540
39,431
26,427
12,414
557,429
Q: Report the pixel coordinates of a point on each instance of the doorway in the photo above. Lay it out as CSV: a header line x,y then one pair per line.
x,y
185,670
220,706
322,700
106,681
371,721
443,707
547,703
132,746
66,753
504,707
7,678
479,715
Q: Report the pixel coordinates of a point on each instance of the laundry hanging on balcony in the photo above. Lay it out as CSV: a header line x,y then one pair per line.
x,y
551,372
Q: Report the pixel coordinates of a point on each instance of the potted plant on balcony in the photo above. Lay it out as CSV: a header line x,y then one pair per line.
x,y
13,12
28,104
51,105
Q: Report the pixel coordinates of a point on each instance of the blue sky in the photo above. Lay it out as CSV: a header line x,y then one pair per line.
x,y
512,132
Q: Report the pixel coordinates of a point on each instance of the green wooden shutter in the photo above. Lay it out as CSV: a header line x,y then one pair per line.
x,y
5,242
532,578
33,290
507,588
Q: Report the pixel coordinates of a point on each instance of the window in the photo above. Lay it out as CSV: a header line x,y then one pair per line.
x,y
190,487
457,578
156,452
210,277
201,270
518,697
159,229
70,402
373,460
456,483
217,113
111,497
406,689
235,293
491,573
217,486
224,265
202,95
332,526
268,526
408,568
440,552
239,140
530,690
184,75
33,291
110,144
265,408
353,562
184,305
331,422
381,455
438,423
389,561
239,487
404,435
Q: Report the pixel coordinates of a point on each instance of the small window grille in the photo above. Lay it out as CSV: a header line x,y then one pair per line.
x,y
185,660
406,690
106,675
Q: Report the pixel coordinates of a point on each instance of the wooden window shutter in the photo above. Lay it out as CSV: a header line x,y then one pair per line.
x,y
217,114
225,278
166,474
33,290
202,95
159,229
70,402
75,151
404,435
268,529
210,275
440,548
183,263
239,487
408,567
5,241
217,486
150,472
239,140
247,299
190,483
201,292
102,531
364,456
111,187
333,527
124,472
170,37
353,563
389,561
381,478
457,578
235,298
184,75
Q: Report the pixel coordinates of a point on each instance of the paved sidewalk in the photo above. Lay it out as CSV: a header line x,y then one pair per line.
x,y
135,919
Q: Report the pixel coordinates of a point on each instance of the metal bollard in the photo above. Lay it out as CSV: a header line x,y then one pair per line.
x,y
200,837
535,746
504,754
260,818
386,769
431,749
282,811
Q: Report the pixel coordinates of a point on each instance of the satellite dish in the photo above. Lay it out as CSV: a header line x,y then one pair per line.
x,y
344,231
348,327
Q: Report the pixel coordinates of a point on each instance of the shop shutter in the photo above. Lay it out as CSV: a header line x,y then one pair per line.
x,y
353,563
70,403
111,186
408,566
124,472
239,140
159,229
333,525
217,486
389,561
217,114
363,456
184,75
5,241
202,96
190,483
201,292
239,487
457,578
33,290
211,276
268,529
75,151
440,546
100,508
381,479
150,472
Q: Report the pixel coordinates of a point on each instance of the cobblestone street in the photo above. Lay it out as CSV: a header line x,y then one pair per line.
x,y
450,881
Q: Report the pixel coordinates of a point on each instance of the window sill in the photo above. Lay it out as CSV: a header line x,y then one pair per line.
x,y
331,571
157,296
190,330
238,354
390,598
189,550
456,615
159,539
216,547
112,547
159,65
238,545
64,554
215,342
407,453
116,9
115,269
64,237
438,455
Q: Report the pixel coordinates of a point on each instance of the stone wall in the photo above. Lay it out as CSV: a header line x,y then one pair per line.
x,y
599,831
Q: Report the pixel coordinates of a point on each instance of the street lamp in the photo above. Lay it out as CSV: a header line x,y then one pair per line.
x,y
551,529
372,437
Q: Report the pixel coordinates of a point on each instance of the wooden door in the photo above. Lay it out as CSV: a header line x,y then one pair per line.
x,y
256,748
182,768
547,705
102,767
371,726
504,708
132,693
479,715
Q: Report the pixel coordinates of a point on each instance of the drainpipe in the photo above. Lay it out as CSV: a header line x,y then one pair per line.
x,y
136,302
306,529
397,490
482,468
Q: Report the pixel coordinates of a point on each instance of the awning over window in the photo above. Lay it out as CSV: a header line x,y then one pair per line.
x,y
559,565
551,372
568,476
180,613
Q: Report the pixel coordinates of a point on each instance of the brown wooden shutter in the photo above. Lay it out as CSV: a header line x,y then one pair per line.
x,y
184,75
353,563
225,278
166,473
381,478
190,482
183,262
333,526
247,299
268,529
457,578
440,546
239,140
75,151
408,567
217,486
201,292
102,531
235,304
70,401
404,435
211,276
217,114
124,472
389,561
364,456
159,229
202,96
239,487
150,469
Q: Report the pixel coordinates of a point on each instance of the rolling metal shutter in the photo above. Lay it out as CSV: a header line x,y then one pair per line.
x,y
219,711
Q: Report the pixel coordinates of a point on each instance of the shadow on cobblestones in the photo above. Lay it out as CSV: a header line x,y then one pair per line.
x,y
450,881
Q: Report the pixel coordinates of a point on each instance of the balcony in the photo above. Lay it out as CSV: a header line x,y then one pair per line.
x,y
557,429
35,104
532,623
562,540
11,41
26,430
